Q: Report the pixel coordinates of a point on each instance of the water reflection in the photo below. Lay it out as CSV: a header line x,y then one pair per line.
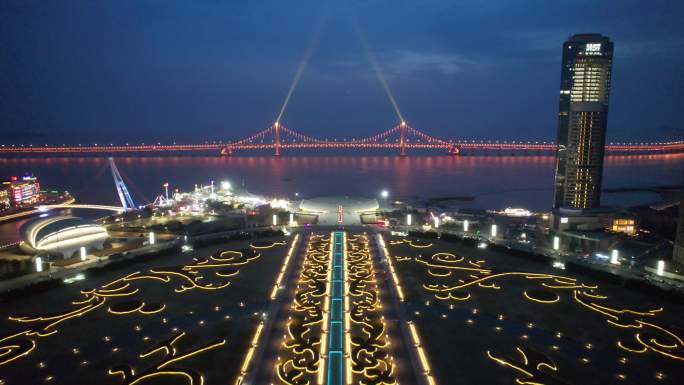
x,y
496,181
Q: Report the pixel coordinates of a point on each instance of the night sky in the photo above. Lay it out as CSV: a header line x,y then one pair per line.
x,y
118,71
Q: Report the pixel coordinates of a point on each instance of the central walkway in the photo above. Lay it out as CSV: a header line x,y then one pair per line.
x,y
336,360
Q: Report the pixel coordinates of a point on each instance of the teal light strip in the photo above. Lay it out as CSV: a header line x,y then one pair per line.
x,y
336,324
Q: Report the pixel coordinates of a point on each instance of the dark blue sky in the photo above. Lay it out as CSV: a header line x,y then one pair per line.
x,y
85,71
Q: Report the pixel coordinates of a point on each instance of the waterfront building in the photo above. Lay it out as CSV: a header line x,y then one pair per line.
x,y
678,248
63,235
625,225
5,201
23,191
582,118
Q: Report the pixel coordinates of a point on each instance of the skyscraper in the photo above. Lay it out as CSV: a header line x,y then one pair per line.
x,y
582,118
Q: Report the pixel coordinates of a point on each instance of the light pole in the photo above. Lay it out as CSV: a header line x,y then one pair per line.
x,y
614,257
384,194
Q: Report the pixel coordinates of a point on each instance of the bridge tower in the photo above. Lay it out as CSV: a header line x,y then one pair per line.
x,y
454,150
402,139
276,141
126,200
226,151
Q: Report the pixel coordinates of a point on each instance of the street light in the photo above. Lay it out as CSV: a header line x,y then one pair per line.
x,y
408,219
152,240
556,243
493,230
384,194
465,225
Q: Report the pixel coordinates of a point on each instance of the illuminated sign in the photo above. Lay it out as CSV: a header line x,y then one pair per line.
x,y
593,47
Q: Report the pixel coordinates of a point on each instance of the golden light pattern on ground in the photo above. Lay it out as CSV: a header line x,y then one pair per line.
x,y
455,279
531,367
117,297
283,268
300,360
250,353
168,366
266,244
415,243
369,343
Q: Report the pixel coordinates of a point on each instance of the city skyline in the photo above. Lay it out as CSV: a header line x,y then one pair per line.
x,y
142,84
341,193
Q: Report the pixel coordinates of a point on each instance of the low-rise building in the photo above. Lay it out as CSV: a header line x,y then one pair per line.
x,y
63,235
21,192
5,201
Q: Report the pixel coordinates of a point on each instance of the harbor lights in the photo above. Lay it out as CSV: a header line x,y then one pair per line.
x,y
556,243
614,257
465,226
83,253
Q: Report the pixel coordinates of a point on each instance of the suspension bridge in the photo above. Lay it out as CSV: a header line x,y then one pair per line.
x,y
277,138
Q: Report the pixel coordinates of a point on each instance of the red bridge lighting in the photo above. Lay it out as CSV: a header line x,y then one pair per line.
x,y
278,138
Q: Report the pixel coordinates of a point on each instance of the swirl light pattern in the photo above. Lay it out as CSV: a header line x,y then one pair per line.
x,y
118,297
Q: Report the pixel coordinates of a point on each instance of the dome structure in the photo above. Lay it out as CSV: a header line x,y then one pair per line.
x,y
63,234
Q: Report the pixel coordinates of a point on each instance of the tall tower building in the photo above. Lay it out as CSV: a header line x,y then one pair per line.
x,y
582,119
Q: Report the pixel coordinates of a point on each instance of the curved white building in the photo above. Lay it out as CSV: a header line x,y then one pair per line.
x,y
63,234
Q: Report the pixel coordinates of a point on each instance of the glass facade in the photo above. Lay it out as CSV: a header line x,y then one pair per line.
x,y
582,119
